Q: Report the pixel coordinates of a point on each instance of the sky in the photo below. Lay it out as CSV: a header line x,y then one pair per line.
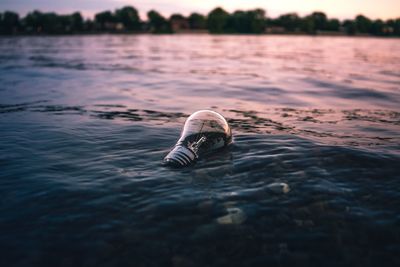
x,y
342,9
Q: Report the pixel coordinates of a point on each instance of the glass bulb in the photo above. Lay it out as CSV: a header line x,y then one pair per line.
x,y
204,131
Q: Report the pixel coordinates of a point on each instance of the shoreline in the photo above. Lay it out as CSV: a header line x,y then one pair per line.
x,y
198,33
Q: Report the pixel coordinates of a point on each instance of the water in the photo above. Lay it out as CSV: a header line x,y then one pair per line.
x,y
85,122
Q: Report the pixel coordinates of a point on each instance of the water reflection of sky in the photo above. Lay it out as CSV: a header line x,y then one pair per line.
x,y
190,72
321,87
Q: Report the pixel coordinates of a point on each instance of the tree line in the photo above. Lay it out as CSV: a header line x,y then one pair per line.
x,y
217,21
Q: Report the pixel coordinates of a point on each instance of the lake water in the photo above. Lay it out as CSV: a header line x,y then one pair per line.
x,y
85,122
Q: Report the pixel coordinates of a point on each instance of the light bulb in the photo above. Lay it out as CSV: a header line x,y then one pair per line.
x,y
204,131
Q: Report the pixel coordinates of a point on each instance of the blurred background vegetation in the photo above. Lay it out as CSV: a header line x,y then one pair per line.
x,y
217,21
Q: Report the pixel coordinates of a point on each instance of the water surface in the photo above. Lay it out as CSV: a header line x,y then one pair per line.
x,y
86,120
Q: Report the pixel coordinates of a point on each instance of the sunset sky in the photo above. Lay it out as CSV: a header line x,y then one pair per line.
x,y
342,9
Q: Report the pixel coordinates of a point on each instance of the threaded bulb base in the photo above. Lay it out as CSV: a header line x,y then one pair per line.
x,y
180,156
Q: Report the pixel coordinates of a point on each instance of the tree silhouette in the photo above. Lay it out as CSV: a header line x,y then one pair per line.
x,y
363,24
394,24
103,19
320,21
76,22
217,20
333,25
197,21
129,17
289,21
257,20
308,25
157,23
350,27
9,22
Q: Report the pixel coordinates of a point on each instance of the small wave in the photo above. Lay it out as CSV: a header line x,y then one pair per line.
x,y
326,125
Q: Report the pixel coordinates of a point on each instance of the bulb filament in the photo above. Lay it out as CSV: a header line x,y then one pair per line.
x,y
196,145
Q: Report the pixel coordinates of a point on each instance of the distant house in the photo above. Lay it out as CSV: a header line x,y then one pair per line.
x,y
275,29
388,29
119,27
109,26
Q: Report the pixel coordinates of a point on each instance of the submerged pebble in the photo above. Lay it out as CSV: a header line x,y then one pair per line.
x,y
279,188
234,216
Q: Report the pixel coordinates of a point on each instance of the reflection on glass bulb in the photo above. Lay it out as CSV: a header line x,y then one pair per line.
x,y
204,131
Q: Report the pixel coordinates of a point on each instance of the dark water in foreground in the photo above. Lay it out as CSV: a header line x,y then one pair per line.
x,y
86,121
